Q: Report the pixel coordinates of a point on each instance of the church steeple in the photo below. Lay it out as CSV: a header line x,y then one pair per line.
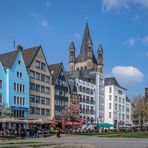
x,y
100,59
72,55
86,46
86,58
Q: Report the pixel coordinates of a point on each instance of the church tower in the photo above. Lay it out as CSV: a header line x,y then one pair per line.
x,y
100,59
72,57
86,58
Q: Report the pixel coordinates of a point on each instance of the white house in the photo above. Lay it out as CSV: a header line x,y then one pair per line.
x,y
115,103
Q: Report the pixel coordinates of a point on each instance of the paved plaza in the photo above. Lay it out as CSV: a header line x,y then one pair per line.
x,y
81,141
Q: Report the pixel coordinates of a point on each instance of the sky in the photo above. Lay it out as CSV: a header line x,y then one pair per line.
x,y
121,26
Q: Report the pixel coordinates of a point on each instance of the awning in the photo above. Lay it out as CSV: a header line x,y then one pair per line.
x,y
104,125
12,120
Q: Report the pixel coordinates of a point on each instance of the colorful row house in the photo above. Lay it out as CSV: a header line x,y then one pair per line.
x,y
14,85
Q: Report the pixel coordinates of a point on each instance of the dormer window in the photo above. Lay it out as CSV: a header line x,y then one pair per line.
x,y
19,62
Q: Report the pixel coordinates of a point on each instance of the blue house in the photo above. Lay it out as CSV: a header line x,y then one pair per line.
x,y
14,83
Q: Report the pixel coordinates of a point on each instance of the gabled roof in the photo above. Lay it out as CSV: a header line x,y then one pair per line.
x,y
29,55
8,59
112,81
55,70
84,47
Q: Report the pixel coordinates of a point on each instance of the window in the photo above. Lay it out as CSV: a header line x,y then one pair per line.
x,y
43,89
47,101
47,111
20,100
17,87
37,87
120,92
123,108
120,107
37,111
47,90
37,64
0,98
37,99
110,97
14,86
60,92
19,62
43,77
127,110
23,101
42,66
119,115
119,99
23,88
22,113
32,110
43,111
18,74
0,83
123,100
110,105
115,98
47,79
31,74
122,116
42,100
110,89
21,75
32,98
32,86
37,76
110,115
116,106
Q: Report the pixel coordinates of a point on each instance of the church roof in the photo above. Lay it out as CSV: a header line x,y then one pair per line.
x,y
8,59
84,47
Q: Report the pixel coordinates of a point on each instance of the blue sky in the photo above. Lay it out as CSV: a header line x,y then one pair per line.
x,y
121,26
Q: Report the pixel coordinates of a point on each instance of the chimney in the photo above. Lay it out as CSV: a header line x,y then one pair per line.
x,y
19,48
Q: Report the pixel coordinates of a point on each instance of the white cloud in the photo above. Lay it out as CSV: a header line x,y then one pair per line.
x,y
131,41
127,74
77,36
116,4
44,23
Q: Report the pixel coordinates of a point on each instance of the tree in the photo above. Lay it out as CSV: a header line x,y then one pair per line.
x,y
5,111
70,113
140,110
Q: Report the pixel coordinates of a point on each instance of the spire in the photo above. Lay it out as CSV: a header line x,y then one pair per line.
x,y
85,43
72,46
86,39
100,49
